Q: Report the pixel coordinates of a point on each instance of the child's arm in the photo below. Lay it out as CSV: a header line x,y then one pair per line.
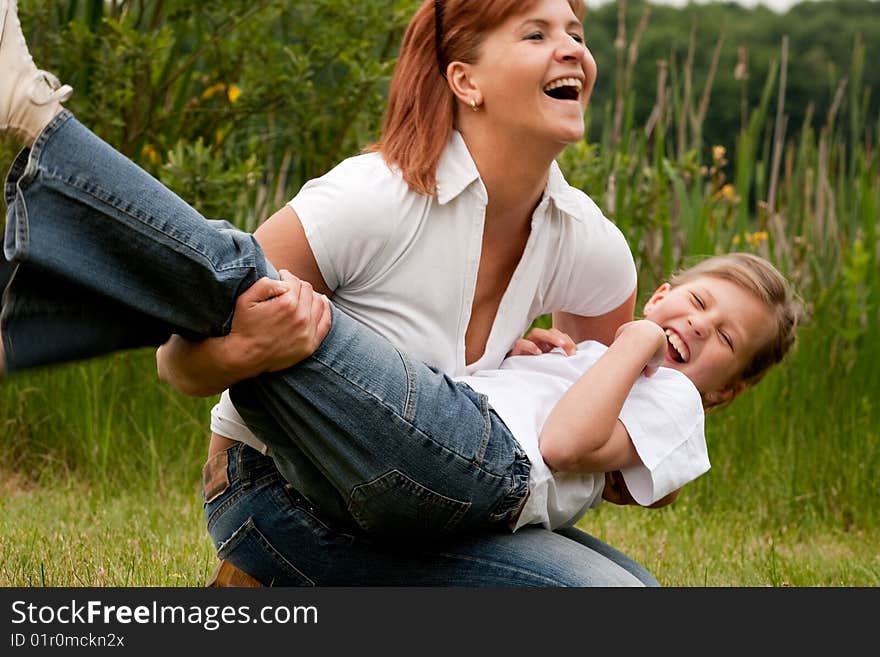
x,y
582,432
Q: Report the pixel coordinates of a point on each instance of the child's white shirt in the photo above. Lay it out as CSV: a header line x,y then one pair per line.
x,y
663,415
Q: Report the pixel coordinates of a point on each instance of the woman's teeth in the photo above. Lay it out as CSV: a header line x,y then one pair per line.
x,y
564,88
678,344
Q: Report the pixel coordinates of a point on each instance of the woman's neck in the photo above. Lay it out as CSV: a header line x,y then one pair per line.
x,y
514,175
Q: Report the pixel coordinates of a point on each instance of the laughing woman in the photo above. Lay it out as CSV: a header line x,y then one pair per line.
x,y
448,238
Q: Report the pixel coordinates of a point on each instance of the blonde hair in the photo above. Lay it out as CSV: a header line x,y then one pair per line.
x,y
757,276
421,106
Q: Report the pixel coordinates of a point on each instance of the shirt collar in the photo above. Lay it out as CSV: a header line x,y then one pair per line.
x,y
456,171
561,193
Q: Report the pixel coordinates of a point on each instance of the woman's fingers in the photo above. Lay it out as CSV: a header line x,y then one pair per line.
x,y
549,339
323,325
263,290
523,347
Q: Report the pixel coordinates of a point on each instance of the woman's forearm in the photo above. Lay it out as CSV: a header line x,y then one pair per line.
x,y
289,308
582,432
197,369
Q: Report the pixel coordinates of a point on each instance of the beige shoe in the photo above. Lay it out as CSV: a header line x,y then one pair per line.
x,y
29,98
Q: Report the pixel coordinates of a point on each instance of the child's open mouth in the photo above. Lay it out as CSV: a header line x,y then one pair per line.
x,y
678,350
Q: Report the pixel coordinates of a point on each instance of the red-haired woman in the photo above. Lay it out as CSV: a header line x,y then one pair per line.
x,y
448,239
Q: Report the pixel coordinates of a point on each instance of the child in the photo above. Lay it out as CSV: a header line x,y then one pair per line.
x,y
708,334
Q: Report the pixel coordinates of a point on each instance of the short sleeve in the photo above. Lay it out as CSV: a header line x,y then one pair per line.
x,y
664,418
594,271
348,216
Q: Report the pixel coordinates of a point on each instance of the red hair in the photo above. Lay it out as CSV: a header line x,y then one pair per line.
x,y
421,106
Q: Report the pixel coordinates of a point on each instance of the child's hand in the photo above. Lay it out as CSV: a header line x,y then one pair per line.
x,y
654,338
540,341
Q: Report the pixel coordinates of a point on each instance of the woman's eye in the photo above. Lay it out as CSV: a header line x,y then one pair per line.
x,y
577,37
535,36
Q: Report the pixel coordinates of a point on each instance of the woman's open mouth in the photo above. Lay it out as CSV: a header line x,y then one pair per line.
x,y
564,89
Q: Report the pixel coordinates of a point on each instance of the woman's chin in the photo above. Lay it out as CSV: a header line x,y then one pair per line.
x,y
572,135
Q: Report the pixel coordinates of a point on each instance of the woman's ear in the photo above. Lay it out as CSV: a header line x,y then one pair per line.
x,y
659,294
463,85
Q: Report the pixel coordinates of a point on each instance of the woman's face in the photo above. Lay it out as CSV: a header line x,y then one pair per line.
x,y
535,75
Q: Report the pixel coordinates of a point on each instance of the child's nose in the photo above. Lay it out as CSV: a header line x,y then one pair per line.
x,y
698,325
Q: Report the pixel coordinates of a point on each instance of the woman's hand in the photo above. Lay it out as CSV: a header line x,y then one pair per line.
x,y
540,341
275,325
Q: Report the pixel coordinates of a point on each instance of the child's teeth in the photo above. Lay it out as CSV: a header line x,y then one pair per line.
x,y
677,344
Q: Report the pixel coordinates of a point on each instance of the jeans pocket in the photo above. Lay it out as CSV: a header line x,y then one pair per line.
x,y
250,550
395,505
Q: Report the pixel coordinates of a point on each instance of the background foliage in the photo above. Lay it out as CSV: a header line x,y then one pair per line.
x,y
711,128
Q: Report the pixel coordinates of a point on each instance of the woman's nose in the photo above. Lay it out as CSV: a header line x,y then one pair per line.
x,y
569,49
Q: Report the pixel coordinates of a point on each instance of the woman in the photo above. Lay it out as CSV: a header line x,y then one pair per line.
x,y
453,278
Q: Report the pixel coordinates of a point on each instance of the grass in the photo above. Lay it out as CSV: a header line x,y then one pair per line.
x,y
74,533
684,546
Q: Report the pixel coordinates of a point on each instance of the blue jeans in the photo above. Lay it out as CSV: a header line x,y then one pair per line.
x,y
263,525
408,451
103,248
84,228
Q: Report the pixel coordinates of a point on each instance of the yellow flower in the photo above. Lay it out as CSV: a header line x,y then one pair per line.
x,y
728,193
213,90
150,153
233,92
752,239
718,153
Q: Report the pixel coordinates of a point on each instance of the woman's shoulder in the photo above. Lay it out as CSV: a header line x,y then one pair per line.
x,y
366,169
362,184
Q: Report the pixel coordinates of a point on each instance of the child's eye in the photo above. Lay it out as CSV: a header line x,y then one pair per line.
x,y
727,340
698,301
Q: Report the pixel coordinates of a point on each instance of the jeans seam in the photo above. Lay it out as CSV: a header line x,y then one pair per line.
x,y
235,494
249,528
409,404
143,221
484,439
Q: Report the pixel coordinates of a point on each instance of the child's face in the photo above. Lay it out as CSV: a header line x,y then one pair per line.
x,y
713,328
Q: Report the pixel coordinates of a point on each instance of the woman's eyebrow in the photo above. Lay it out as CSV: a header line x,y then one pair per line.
x,y
540,22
